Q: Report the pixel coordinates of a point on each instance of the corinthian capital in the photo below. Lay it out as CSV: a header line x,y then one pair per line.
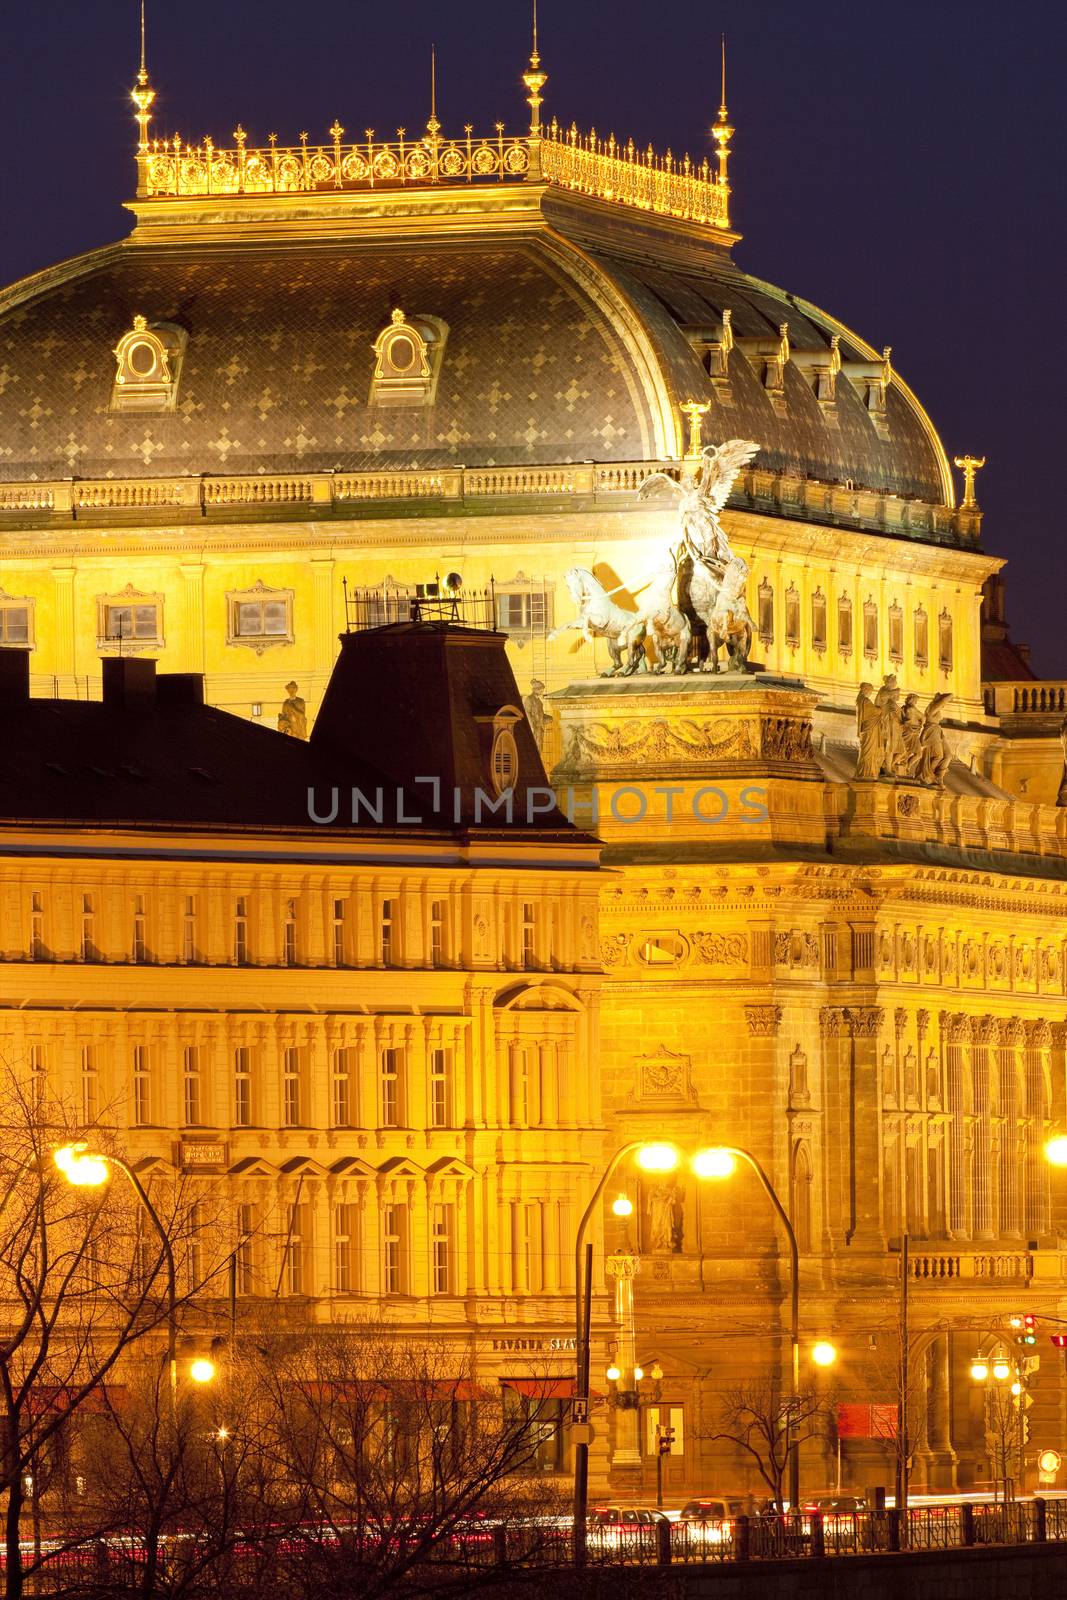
x,y
763,1021
864,1022
830,1022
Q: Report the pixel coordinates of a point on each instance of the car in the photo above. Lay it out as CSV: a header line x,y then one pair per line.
x,y
615,1525
710,1518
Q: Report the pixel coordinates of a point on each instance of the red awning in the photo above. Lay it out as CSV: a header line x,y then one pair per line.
x,y
544,1388
60,1397
860,1421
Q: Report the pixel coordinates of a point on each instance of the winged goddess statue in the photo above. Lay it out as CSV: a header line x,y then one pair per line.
x,y
717,577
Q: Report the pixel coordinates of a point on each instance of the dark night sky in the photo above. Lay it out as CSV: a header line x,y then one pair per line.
x,y
900,165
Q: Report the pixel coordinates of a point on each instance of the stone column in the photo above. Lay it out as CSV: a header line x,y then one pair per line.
x,y
982,1200
626,1454
65,658
956,1030
1038,1044
942,1455
865,1230
1011,1037
193,655
836,1209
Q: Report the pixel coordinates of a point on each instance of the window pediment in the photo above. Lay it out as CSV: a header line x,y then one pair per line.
x,y
148,362
407,360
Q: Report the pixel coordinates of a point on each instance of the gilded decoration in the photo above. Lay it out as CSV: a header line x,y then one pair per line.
x,y
763,1021
720,949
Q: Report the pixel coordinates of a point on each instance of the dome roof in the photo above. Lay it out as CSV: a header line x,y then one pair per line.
x,y
563,342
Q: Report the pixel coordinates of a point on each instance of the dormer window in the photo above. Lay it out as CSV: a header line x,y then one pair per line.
x,y
407,361
504,753
148,366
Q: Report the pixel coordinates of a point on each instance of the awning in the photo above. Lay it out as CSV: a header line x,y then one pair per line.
x,y
544,1388
61,1397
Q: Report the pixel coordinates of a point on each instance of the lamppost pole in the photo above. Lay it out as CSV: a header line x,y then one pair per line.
x,y
792,1446
583,1311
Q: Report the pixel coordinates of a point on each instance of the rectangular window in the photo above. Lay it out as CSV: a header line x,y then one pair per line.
x,y
262,619
37,1066
289,940
14,625
922,638
342,1088
521,1088
90,1086
291,1097
792,616
944,642
896,633
38,950
440,1088
529,934
844,625
240,931
139,947
344,1248
394,1250
527,1238
245,1251
139,623
339,947
296,1250
387,931
142,1086
870,629
523,611
242,1087
818,620
194,1261
441,1248
89,951
390,1109
437,933
190,954
192,1099
765,608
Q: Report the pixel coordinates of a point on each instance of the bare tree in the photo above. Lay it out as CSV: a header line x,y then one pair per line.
x,y
768,1426
81,1283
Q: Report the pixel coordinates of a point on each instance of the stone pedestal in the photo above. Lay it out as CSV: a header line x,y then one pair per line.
x,y
626,1455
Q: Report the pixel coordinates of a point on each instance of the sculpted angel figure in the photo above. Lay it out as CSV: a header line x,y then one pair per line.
x,y
888,702
936,755
911,727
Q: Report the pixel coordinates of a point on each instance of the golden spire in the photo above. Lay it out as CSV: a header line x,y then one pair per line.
x,y
433,127
535,80
722,132
143,96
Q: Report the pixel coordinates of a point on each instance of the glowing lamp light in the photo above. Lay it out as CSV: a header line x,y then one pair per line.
x,y
85,1171
622,1205
1001,1369
1049,1461
713,1164
979,1371
657,1158
655,1372
614,1373
202,1370
823,1354
639,1373
1056,1150
1016,1388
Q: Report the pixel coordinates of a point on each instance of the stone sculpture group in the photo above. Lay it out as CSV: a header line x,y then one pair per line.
x,y
698,588
900,741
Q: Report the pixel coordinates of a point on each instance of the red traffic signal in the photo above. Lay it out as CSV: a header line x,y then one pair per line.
x,y
1029,1333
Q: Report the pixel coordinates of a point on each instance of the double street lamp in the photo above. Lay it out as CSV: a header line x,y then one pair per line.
x,y
717,1162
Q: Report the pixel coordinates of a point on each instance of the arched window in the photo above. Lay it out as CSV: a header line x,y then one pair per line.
x,y
147,367
818,620
844,625
802,1183
407,360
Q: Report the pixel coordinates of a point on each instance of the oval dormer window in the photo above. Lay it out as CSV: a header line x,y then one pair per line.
x,y
505,762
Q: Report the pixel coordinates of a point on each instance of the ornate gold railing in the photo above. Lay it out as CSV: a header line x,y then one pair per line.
x,y
582,162
619,172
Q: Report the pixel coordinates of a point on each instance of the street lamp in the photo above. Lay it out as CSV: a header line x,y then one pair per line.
x,y
979,1370
721,1163
202,1370
622,1206
90,1169
823,1353
1056,1150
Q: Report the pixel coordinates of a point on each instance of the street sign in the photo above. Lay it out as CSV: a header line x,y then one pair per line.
x,y
582,1433
1029,1363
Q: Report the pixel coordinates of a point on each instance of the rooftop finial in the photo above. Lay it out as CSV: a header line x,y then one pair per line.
x,y
143,96
722,132
535,80
433,127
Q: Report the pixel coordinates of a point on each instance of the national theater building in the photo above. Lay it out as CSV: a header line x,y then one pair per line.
x,y
317,390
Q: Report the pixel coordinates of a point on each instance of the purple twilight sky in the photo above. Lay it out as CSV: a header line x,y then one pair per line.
x,y
899,165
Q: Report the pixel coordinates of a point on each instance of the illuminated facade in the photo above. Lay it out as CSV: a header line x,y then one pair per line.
x,y
315,377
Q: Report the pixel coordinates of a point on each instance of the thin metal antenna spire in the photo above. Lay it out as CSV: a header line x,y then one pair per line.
x,y
534,57
722,103
535,80
142,76
433,127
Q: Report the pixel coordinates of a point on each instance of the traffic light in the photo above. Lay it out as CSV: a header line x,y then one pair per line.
x,y
1029,1329
666,1441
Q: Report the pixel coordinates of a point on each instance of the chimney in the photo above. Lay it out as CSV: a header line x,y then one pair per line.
x,y
14,675
174,689
129,683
